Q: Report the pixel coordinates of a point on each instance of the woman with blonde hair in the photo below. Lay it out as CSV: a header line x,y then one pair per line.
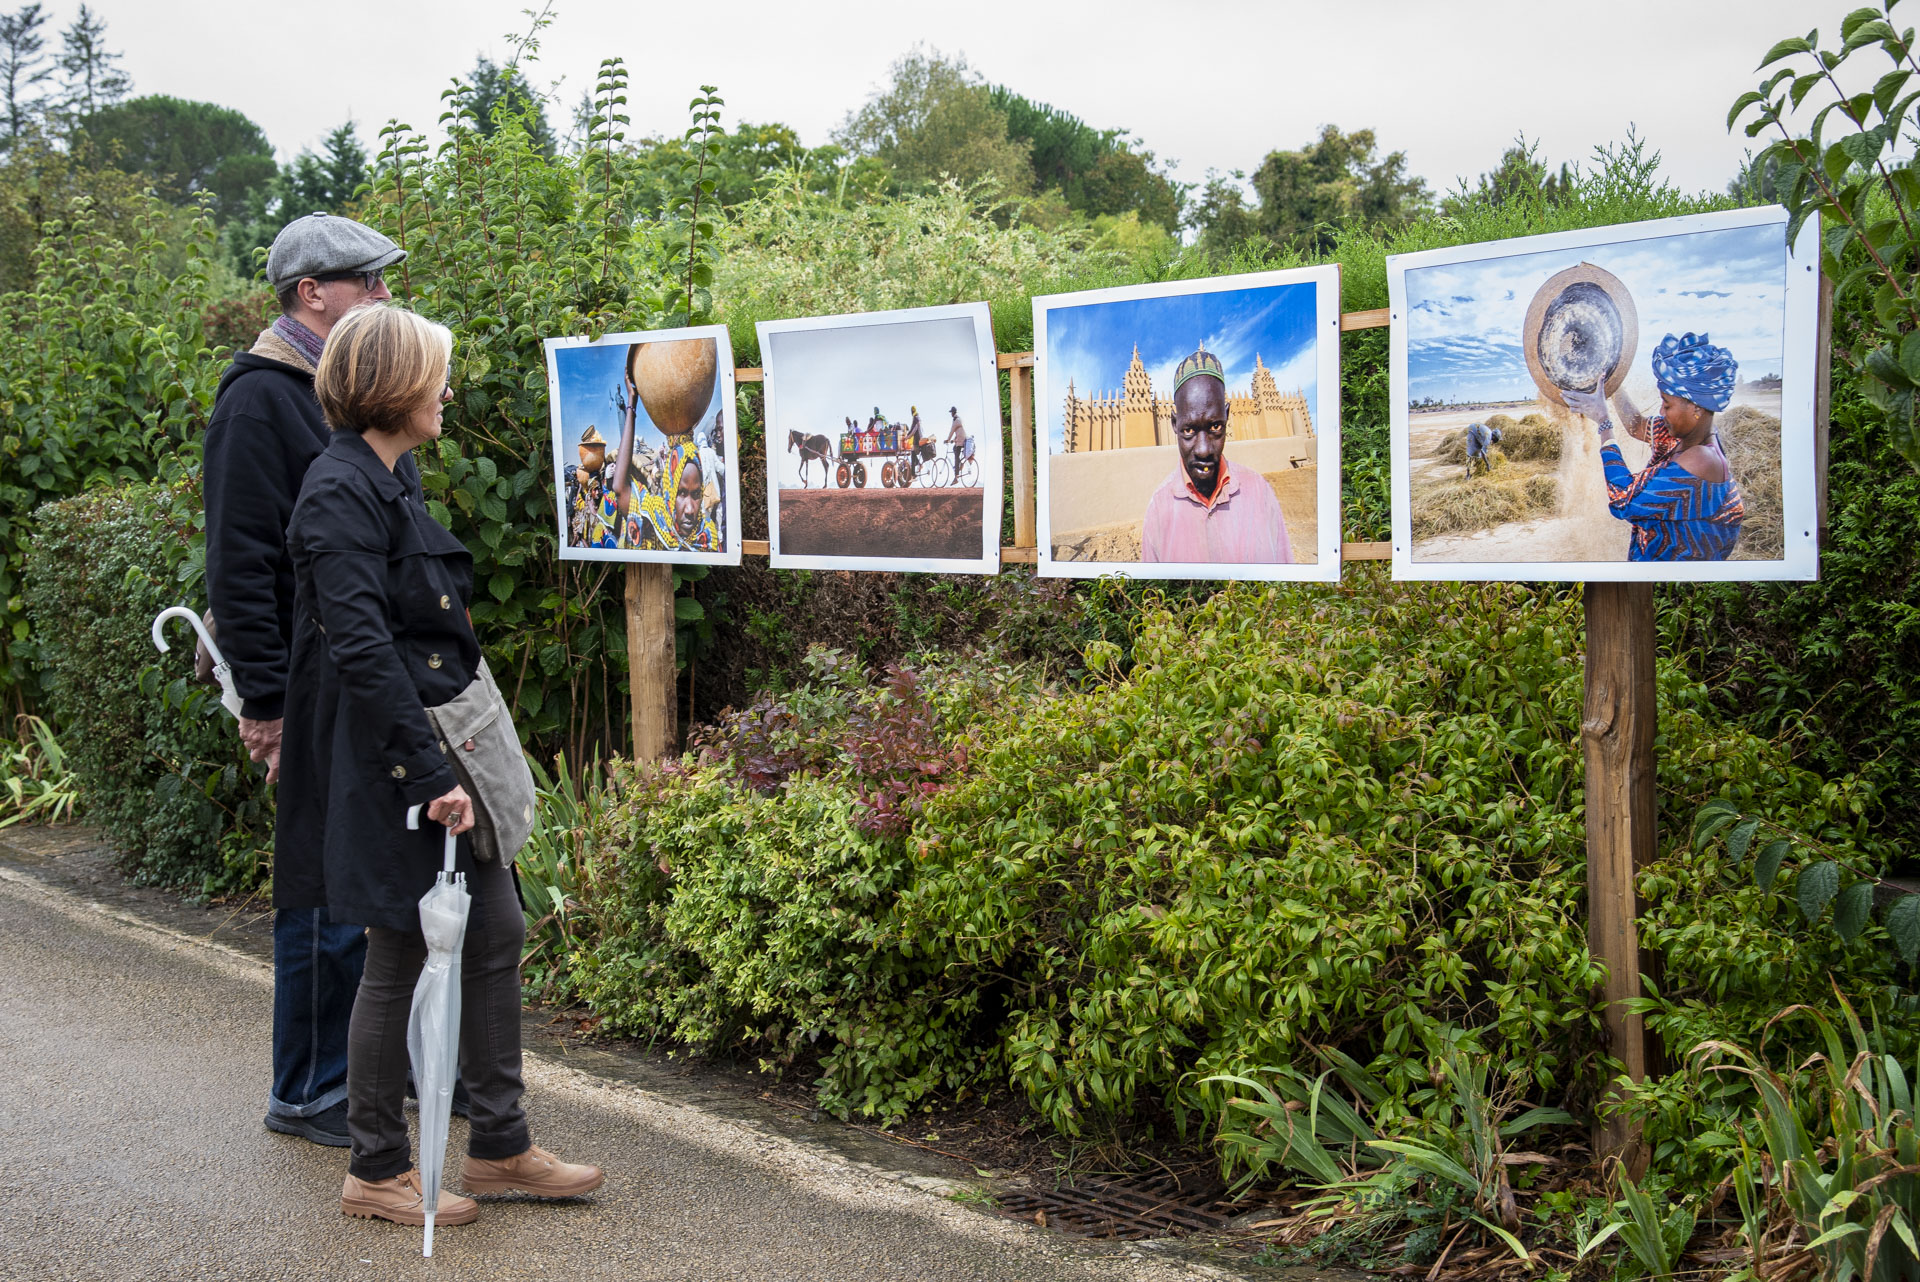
x,y
381,635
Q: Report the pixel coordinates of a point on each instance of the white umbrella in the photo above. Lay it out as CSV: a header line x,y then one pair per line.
x,y
222,671
433,1026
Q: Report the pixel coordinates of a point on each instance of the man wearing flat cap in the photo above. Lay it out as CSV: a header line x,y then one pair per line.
x,y
1206,513
266,429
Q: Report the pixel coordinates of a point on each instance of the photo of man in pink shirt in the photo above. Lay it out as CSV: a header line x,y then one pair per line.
x,y
1206,512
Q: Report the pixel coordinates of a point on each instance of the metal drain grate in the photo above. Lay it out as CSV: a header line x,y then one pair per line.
x,y
1110,1209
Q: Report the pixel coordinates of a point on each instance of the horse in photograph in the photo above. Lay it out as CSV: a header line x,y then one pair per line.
x,y
813,449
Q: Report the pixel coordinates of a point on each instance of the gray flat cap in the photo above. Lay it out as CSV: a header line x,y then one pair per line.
x,y
322,243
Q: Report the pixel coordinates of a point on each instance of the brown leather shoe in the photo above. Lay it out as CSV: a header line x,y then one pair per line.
x,y
400,1199
535,1171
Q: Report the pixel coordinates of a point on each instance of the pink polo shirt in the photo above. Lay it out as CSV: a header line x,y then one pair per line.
x,y
1243,525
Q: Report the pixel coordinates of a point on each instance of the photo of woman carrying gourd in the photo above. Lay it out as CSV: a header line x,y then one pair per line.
x,y
1571,405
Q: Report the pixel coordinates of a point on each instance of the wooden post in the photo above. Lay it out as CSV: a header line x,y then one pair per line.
x,y
1616,733
1021,377
651,675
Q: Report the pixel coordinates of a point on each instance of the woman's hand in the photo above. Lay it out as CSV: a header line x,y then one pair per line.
x,y
1592,404
455,810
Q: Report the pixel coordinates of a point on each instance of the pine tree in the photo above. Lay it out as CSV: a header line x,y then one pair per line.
x,y
503,89
22,70
92,78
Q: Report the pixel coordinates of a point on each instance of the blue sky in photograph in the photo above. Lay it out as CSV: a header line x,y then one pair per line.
x,y
1464,319
1092,343
588,377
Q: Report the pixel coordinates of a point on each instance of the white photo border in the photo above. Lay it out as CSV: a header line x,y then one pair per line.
x,y
988,452
1326,281
735,526
1800,558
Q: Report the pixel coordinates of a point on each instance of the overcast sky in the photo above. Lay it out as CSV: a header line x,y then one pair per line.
x,y
1449,83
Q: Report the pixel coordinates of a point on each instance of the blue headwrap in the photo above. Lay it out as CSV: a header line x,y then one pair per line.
x,y
1695,369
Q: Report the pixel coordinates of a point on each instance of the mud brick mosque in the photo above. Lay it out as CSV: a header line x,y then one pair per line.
x,y
1136,415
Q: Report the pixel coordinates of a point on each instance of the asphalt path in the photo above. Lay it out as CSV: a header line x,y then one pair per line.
x,y
133,1064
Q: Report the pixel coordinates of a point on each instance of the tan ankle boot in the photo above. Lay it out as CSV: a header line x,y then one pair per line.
x,y
400,1199
535,1171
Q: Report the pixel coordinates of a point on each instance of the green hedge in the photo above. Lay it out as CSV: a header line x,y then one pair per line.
x,y
161,769
1346,817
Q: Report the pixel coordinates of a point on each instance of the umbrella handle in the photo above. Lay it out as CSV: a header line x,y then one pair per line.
x,y
413,821
222,670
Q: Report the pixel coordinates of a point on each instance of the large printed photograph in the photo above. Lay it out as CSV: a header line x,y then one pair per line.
x,y
1619,403
883,441
643,443
1191,429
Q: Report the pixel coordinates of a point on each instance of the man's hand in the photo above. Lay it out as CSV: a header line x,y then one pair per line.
x,y
455,810
263,743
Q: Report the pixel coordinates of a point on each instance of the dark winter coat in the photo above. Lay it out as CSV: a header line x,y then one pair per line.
x,y
380,633
266,431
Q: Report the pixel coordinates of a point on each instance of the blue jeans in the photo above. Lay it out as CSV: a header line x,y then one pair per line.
x,y
316,972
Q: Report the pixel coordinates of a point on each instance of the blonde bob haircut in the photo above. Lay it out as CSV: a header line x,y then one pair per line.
x,y
381,365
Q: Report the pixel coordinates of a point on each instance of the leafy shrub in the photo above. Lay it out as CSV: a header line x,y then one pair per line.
x,y
159,763
35,780
1304,820
101,377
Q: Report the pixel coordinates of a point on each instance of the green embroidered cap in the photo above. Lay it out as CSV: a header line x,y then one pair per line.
x,y
1201,363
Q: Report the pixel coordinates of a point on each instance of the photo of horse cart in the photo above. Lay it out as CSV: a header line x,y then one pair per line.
x,y
890,455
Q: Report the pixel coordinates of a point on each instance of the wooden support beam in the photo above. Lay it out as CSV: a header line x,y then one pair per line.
x,y
1021,378
1020,556
1616,735
652,677
1366,551
1378,318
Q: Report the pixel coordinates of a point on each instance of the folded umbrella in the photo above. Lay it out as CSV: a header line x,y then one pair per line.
x,y
222,670
433,1025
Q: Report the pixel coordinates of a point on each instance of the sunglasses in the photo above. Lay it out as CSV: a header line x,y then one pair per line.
x,y
371,280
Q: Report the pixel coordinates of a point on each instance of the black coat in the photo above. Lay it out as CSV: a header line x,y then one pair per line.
x,y
265,432
380,634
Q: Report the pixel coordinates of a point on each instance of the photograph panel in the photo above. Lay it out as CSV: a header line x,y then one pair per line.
x,y
1620,403
883,441
643,443
1191,429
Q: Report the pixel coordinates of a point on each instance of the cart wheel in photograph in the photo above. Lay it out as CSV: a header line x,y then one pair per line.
x,y
860,476
844,476
886,476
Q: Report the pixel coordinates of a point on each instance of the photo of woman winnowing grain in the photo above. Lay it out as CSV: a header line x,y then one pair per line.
x,y
1684,505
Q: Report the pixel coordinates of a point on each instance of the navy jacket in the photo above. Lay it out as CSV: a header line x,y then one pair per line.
x,y
380,634
266,431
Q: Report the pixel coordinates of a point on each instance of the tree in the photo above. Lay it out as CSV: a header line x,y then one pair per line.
x,y
1520,175
22,70
1095,170
501,91
1303,195
325,182
742,164
92,78
188,147
936,119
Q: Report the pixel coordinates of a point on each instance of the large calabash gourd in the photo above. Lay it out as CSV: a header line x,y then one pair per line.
x,y
674,381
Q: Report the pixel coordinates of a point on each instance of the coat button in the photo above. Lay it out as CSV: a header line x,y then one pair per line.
x,y
446,603
433,661
399,772
443,745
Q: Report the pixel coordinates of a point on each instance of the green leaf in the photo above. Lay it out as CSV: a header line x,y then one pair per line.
x,y
1882,365
1903,924
500,586
1740,838
687,610
1712,819
1766,866
1786,49
1852,910
1818,885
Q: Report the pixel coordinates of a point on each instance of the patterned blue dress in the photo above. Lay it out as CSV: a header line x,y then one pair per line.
x,y
1676,515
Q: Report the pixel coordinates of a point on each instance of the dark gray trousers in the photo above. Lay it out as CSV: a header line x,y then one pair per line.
x,y
489,1033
